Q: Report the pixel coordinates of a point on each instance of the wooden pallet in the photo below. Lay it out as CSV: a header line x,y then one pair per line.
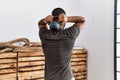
x,y
8,66
79,64
28,64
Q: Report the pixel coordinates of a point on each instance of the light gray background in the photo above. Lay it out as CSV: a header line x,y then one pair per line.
x,y
19,18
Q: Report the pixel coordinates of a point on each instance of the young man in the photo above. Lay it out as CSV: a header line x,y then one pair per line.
x,y
57,43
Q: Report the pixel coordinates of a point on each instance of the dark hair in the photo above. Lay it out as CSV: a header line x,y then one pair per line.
x,y
57,11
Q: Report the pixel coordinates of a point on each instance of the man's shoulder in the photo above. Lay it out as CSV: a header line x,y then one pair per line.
x,y
74,27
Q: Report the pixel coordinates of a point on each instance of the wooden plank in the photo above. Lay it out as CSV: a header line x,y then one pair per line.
x,y
82,51
78,63
79,68
30,58
32,77
8,65
31,63
7,76
80,73
79,59
81,77
29,68
28,49
8,60
8,55
78,55
31,73
25,54
9,70
29,78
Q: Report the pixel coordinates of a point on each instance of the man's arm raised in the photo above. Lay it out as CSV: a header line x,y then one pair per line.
x,y
43,22
78,20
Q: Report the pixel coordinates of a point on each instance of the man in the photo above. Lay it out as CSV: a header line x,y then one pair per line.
x,y
57,43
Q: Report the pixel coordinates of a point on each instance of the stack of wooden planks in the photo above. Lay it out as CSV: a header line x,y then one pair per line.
x,y
79,64
8,66
27,63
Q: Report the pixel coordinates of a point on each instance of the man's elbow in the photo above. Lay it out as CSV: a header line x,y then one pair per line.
x,y
39,23
81,19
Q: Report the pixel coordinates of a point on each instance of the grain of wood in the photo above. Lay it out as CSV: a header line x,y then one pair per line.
x,y
33,73
78,59
31,58
3,61
7,76
30,68
31,63
78,63
29,54
78,55
33,77
8,65
79,68
9,70
8,55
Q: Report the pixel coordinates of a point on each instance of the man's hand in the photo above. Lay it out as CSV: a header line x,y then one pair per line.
x,y
43,22
49,19
63,18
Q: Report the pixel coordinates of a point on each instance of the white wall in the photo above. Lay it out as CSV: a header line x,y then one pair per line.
x,y
19,18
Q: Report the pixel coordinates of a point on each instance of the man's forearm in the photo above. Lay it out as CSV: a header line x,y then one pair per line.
x,y
76,19
42,24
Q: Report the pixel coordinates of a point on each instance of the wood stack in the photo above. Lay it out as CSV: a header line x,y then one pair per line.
x,y
8,66
30,63
79,64
27,63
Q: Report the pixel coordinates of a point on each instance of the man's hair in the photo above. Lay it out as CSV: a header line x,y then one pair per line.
x,y
57,11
